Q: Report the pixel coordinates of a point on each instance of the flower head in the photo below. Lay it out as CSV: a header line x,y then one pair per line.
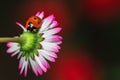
x,y
34,49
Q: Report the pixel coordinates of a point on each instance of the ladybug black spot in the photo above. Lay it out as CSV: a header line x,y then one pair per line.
x,y
35,18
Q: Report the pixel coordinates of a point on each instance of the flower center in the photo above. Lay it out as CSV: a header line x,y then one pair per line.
x,y
29,44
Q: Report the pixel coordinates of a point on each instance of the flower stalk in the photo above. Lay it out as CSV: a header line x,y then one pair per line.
x,y
9,39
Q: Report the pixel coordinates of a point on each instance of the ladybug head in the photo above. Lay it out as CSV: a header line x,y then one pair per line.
x,y
33,24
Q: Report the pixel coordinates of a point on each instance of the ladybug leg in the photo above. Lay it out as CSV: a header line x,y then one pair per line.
x,y
31,27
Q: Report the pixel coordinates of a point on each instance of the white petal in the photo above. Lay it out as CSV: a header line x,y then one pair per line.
x,y
34,67
49,53
52,54
46,22
52,31
26,67
13,49
50,46
23,65
41,52
19,55
54,24
37,14
39,69
40,63
21,62
53,38
44,62
16,52
41,15
24,29
59,42
9,44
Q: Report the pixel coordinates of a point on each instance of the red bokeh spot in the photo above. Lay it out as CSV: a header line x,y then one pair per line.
x,y
74,67
101,10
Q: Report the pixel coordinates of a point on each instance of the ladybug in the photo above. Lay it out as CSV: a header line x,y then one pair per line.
x,y
33,24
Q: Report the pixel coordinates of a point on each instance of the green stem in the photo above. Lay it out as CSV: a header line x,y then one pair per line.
x,y
9,39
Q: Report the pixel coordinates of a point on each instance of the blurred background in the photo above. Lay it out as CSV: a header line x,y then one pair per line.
x,y
91,38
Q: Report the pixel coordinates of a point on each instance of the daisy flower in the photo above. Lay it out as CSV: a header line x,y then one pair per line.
x,y
34,50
